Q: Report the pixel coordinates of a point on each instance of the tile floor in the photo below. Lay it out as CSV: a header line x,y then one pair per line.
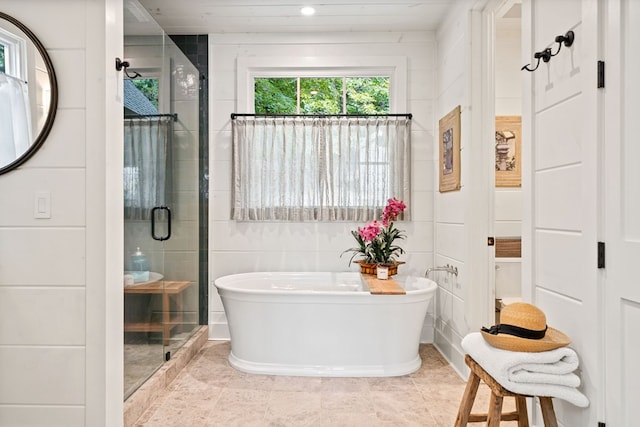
x,y
209,392
144,355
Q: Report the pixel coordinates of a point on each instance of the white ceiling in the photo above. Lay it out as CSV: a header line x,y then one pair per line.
x,y
283,16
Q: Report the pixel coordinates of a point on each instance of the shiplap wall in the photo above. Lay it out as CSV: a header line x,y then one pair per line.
x,y
450,222
237,247
60,278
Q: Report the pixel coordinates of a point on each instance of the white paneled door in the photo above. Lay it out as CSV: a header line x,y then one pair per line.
x,y
621,151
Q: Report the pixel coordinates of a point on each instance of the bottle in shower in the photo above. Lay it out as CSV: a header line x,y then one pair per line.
x,y
139,266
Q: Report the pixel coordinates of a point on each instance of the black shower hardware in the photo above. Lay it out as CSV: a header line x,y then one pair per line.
x,y
123,65
153,223
546,54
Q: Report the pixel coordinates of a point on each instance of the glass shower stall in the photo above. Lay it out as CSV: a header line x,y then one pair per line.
x,y
160,286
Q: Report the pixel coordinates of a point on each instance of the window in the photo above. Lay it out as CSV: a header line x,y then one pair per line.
x,y
275,95
321,95
149,88
391,68
320,168
16,116
2,66
147,165
13,51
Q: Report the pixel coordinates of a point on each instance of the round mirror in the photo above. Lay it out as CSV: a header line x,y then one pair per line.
x,y
28,93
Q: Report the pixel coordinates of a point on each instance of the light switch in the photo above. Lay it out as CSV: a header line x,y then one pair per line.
x,y
42,207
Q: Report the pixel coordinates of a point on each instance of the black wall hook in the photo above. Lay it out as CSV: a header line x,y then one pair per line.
x,y
546,54
567,40
123,65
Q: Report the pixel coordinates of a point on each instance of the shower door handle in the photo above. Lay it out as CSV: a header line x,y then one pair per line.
x,y
153,223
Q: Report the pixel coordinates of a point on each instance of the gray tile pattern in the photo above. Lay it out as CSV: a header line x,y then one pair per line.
x,y
196,48
209,392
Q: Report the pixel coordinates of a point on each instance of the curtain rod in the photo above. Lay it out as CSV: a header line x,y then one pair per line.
x,y
143,116
235,115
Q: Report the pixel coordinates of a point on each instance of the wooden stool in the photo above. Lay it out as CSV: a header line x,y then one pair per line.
x,y
495,415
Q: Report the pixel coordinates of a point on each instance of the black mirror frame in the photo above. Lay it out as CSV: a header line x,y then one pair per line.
x,y
53,104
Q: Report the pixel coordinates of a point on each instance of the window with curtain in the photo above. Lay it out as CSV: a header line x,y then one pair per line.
x,y
15,115
13,54
147,165
319,168
15,119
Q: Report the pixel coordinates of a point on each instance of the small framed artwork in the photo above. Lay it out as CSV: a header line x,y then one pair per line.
x,y
449,128
508,151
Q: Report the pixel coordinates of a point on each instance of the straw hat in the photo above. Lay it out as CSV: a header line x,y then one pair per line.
x,y
523,327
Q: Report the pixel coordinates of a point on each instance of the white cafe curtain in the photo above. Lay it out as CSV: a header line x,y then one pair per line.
x,y
319,168
15,119
147,165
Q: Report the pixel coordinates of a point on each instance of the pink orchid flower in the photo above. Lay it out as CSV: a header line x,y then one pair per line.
x,y
394,208
370,231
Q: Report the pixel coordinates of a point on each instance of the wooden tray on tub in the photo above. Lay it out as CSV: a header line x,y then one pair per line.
x,y
382,287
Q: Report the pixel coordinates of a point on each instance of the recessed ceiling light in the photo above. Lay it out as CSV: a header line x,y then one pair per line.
x,y
307,11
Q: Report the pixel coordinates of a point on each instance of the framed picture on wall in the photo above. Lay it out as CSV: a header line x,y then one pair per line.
x,y
449,130
508,151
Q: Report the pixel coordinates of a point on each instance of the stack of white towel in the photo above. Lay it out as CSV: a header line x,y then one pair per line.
x,y
546,373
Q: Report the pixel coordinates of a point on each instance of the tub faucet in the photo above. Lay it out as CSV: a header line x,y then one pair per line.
x,y
448,268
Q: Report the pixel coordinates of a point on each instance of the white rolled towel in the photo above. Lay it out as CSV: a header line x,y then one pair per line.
x,y
545,373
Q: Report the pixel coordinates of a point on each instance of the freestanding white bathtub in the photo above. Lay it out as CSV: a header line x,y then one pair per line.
x,y
323,324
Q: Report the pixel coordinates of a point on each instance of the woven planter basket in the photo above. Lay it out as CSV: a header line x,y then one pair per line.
x,y
371,268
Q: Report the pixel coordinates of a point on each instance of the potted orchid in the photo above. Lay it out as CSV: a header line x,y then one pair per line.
x,y
376,240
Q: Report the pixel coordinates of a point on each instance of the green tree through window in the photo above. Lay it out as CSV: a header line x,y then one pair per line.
x,y
368,95
2,66
149,88
321,95
275,95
